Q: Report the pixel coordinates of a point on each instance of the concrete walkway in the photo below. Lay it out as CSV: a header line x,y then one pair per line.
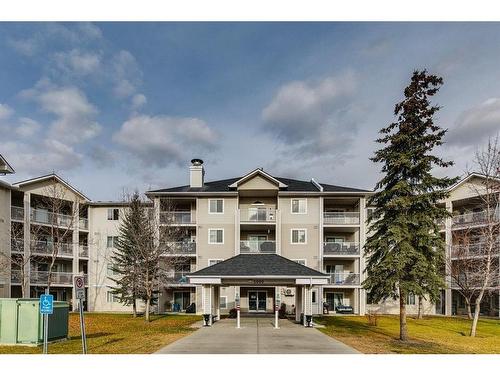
x,y
257,335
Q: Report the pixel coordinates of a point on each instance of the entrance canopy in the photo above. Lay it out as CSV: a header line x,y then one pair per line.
x,y
258,269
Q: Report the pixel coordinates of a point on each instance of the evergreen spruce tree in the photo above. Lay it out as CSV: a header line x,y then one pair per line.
x,y
126,260
405,253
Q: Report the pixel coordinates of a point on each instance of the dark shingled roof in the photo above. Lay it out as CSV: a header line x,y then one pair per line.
x,y
221,186
258,265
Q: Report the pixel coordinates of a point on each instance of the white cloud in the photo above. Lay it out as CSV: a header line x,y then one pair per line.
x,y
162,140
126,74
5,111
41,157
27,127
138,100
476,124
77,62
75,115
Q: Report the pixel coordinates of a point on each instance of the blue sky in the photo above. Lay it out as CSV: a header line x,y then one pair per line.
x,y
119,106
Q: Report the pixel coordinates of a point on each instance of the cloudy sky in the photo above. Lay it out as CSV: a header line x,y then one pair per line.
x,y
114,106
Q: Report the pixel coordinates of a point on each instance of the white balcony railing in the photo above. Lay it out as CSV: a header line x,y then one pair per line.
x,y
257,246
45,217
344,278
332,218
258,215
176,217
341,248
17,213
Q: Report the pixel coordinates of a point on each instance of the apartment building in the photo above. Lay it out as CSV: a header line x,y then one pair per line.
x,y
464,238
255,241
318,226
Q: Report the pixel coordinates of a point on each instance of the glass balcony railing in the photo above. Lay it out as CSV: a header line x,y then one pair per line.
x,y
332,218
42,216
176,277
258,246
344,278
340,248
474,218
83,223
472,250
181,248
17,213
258,215
176,217
83,251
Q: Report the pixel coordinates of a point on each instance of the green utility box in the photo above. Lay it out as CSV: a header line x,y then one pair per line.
x,y
21,322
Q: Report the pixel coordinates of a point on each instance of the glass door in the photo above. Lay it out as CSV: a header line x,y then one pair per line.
x,y
257,301
254,242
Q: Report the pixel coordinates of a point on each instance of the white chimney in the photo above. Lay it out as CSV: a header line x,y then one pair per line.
x,y
196,173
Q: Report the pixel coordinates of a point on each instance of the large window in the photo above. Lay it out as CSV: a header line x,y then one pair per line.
x,y
410,299
216,206
111,297
299,206
216,236
299,236
223,302
113,213
111,241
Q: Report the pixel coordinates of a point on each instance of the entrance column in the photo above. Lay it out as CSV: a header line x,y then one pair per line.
x,y
298,302
217,302
448,240
307,304
206,296
276,307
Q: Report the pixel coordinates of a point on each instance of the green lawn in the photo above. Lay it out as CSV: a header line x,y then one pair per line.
x,y
428,335
117,334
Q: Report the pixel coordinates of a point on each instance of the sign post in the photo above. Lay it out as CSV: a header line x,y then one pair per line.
x,y
237,300
46,308
80,296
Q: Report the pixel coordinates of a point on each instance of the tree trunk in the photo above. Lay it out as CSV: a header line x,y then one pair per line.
x,y
148,303
477,308
403,328
134,308
469,310
420,308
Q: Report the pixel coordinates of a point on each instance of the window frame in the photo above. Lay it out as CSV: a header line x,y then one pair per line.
x,y
305,206
209,206
409,297
112,211
209,237
298,243
225,302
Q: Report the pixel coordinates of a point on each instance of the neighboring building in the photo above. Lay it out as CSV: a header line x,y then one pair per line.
x,y
463,232
269,239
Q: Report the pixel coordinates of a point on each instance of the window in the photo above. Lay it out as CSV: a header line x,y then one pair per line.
x,y
299,236
223,302
410,299
216,236
313,297
211,262
300,261
113,213
299,206
111,241
111,297
216,206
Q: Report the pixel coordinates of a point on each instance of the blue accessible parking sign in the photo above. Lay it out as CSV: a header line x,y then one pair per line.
x,y
46,304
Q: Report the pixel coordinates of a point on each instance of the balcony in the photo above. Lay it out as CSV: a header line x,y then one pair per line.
x,y
83,251
258,247
176,277
473,218
341,248
176,217
45,217
341,218
83,223
471,250
17,245
344,278
17,213
181,248
47,248
59,278
258,215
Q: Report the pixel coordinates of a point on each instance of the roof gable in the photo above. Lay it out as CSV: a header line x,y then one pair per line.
x,y
258,172
5,167
48,177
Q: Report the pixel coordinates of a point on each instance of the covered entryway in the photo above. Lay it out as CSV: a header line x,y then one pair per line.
x,y
257,279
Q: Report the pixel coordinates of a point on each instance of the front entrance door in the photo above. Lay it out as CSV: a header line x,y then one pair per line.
x,y
181,301
257,301
334,299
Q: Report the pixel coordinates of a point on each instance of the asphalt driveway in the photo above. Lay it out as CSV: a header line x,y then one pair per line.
x,y
257,335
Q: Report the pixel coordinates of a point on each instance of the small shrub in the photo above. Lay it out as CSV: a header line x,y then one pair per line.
x,y
282,311
232,313
372,317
